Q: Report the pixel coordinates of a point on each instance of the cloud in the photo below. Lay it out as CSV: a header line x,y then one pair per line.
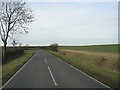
x,y
73,23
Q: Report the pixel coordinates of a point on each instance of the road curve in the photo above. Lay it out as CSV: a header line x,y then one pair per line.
x,y
45,70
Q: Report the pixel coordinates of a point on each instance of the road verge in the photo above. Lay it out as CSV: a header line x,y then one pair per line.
x,y
106,76
10,68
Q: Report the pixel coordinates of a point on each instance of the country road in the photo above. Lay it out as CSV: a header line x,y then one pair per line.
x,y
45,70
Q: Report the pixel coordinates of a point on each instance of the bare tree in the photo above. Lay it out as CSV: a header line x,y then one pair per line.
x,y
15,16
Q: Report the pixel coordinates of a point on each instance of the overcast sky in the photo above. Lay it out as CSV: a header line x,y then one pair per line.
x,y
72,23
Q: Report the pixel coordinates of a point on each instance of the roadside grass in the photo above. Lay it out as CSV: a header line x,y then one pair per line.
x,y
105,60
10,68
94,48
106,76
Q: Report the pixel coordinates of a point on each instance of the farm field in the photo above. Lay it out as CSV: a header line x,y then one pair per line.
x,y
95,48
105,56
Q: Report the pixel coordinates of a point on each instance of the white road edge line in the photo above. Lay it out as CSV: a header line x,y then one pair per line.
x,y
52,77
90,76
84,73
16,73
45,60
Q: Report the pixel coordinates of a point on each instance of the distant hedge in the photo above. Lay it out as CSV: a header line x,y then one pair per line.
x,y
13,52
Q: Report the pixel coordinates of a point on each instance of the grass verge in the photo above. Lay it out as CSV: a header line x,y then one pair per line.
x,y
10,68
106,76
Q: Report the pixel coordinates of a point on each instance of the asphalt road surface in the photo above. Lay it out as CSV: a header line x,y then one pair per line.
x,y
45,70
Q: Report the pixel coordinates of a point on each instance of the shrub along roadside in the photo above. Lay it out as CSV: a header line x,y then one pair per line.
x,y
12,53
53,47
11,67
106,76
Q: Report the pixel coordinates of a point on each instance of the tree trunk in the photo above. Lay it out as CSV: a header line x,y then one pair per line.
x,y
4,52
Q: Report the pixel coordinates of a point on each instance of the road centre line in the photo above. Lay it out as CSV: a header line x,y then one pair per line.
x,y
52,77
45,60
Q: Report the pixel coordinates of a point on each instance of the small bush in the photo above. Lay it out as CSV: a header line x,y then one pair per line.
x,y
54,47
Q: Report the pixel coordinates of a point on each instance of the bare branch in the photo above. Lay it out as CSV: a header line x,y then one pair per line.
x,y
14,18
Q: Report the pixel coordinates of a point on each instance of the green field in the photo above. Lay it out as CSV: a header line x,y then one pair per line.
x,y
95,48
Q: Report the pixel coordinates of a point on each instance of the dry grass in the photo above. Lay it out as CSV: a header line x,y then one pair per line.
x,y
101,59
93,53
